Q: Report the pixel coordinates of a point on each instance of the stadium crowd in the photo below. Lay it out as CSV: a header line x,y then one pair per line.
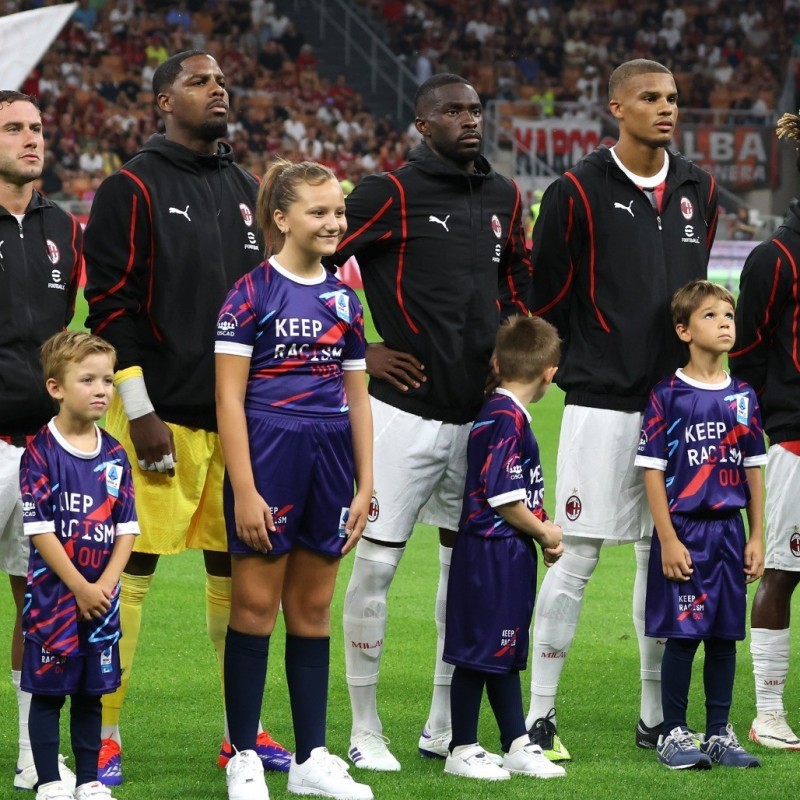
x,y
93,84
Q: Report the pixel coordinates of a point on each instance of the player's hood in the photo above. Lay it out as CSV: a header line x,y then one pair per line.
x,y
190,160
426,160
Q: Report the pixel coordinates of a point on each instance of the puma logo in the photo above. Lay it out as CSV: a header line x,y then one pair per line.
x,y
625,208
184,213
442,222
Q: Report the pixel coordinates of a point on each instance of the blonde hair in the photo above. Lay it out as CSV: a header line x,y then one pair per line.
x,y
71,347
689,298
525,347
278,191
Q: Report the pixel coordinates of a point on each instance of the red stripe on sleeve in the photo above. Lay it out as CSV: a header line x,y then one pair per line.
x,y
401,255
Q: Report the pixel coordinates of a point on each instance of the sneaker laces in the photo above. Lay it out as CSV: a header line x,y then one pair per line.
x,y
545,730
108,749
330,763
728,740
244,765
683,739
777,719
372,744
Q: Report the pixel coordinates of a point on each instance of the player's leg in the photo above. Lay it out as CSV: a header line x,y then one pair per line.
x,y
558,609
770,615
443,509
85,715
651,651
406,469
256,586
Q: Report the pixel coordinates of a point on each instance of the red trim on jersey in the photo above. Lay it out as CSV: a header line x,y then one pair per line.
x,y
590,223
291,399
793,264
560,296
759,338
511,240
110,318
401,255
367,225
712,227
793,446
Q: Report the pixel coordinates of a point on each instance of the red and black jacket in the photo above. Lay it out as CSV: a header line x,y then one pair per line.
x,y
442,256
168,235
605,267
767,350
40,262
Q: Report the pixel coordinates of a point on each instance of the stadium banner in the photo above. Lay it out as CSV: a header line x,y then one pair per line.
x,y
25,38
740,157
559,143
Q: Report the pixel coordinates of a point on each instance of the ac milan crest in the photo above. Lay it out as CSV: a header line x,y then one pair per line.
x,y
794,544
53,253
374,509
687,209
247,214
573,507
497,228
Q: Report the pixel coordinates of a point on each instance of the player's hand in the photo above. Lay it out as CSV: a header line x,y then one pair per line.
x,y
551,554
552,535
676,563
401,370
356,520
254,521
154,444
92,601
753,560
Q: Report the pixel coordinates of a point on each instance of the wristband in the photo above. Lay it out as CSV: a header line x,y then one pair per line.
x,y
133,392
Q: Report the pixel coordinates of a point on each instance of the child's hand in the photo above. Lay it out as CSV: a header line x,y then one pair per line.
x,y
552,536
254,521
92,601
356,520
676,562
551,554
753,560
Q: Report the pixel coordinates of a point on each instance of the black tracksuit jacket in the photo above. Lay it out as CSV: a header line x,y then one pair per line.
x,y
767,350
605,266
168,235
39,270
442,256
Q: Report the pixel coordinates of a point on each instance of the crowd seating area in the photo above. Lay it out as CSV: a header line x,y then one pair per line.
x,y
94,84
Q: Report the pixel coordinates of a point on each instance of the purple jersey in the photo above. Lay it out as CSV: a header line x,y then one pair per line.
x,y
86,499
502,467
703,437
304,331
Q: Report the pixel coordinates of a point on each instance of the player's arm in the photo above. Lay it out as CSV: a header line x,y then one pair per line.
x,y
556,254
252,513
521,518
118,252
515,266
712,212
123,547
754,549
77,266
90,597
764,287
355,386
676,562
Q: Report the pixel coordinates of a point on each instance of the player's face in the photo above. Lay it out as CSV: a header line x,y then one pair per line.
x,y
21,143
86,389
647,108
314,223
197,101
452,124
711,327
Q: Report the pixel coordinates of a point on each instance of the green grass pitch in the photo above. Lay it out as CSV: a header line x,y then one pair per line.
x,y
172,720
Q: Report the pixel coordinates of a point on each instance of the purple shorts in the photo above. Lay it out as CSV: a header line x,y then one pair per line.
x,y
304,470
47,673
490,598
713,601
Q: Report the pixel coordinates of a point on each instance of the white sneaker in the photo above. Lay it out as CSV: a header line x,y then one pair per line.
x,y
770,729
531,761
437,746
245,777
55,790
473,762
325,775
26,778
368,750
93,791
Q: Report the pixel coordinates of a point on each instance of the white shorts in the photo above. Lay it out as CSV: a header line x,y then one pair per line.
x,y
420,468
599,492
14,547
782,510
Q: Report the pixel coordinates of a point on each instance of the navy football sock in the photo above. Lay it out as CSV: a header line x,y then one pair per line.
x,y
85,715
466,692
245,673
718,674
307,667
43,727
505,696
676,675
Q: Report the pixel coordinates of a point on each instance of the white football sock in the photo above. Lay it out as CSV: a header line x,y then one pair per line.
x,y
770,651
364,624
558,608
651,650
25,757
439,716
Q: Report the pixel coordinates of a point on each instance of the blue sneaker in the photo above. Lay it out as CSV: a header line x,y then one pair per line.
x,y
679,750
109,763
725,750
